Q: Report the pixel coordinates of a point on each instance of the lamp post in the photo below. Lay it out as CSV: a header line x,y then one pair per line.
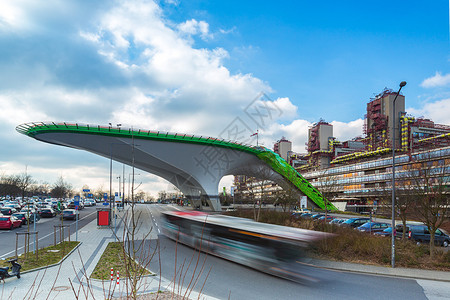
x,y
402,84
118,177
111,205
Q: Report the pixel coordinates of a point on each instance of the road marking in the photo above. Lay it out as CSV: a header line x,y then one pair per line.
x,y
20,248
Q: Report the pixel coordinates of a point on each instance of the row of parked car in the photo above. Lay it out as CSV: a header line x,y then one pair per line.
x,y
14,214
418,233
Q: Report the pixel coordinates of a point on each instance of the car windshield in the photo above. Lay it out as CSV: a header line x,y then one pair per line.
x,y
4,219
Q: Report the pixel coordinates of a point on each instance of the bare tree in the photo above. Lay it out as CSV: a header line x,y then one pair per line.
x,y
404,194
329,189
287,198
61,189
40,189
24,181
9,185
430,186
99,192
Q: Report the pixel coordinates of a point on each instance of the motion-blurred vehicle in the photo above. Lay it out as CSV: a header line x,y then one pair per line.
x,y
355,222
9,222
372,227
69,214
47,213
272,249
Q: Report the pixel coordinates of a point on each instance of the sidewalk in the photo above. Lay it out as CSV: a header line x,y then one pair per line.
x,y
383,271
56,282
59,282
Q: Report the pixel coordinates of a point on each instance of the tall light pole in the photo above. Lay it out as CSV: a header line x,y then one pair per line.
x,y
111,206
402,84
118,177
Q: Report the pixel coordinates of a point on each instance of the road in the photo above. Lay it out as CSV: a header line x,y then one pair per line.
x,y
45,227
223,279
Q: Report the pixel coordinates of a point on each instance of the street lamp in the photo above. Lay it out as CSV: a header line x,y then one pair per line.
x,y
402,84
118,177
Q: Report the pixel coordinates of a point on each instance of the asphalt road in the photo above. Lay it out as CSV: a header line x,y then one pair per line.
x,y
45,228
223,279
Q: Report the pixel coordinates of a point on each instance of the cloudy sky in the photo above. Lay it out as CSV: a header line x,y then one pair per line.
x,y
195,66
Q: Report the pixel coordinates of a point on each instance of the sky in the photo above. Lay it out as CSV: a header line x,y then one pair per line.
x,y
195,66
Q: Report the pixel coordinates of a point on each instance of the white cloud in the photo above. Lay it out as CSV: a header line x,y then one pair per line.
x,y
193,27
347,131
124,64
296,132
438,80
288,109
12,15
438,111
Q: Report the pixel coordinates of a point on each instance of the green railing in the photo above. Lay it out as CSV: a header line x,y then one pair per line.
x,y
277,163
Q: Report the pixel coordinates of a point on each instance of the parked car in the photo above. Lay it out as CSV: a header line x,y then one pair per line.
x,y
373,227
9,222
385,232
90,202
317,216
337,221
69,214
306,216
355,222
32,213
47,213
24,217
7,211
329,218
421,234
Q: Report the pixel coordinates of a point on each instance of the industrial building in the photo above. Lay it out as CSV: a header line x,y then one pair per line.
x,y
360,170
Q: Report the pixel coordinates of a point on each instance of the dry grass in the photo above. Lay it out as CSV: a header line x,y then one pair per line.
x,y
113,257
47,256
352,246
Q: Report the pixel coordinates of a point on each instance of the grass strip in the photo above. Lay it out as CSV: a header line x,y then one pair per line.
x,y
46,256
113,257
350,245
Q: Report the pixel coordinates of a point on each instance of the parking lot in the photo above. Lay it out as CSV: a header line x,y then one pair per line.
x,y
45,228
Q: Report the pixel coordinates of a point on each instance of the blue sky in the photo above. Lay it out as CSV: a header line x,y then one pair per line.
x,y
194,66
330,51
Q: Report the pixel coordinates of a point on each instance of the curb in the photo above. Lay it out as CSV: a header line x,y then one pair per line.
x,y
107,280
53,265
382,271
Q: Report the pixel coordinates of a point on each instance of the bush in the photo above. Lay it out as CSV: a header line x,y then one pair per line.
x,y
354,246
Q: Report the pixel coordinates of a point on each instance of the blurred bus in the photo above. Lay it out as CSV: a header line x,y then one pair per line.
x,y
273,249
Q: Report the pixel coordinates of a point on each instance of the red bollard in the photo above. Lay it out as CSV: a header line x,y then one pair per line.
x,y
112,274
117,277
